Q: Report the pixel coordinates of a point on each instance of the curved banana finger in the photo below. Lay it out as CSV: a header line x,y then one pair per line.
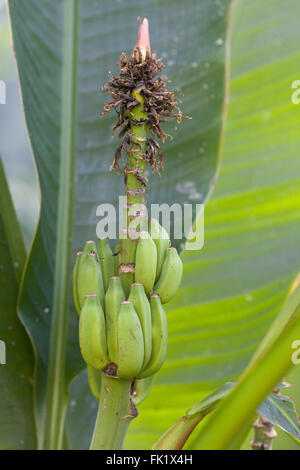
x,y
74,282
116,257
159,338
141,389
162,241
142,307
130,342
145,262
94,380
89,247
106,260
89,278
113,299
92,335
170,278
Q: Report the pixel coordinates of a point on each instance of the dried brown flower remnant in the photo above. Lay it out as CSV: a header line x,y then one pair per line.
x,y
140,71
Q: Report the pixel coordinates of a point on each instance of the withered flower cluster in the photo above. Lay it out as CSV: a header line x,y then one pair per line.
x,y
159,105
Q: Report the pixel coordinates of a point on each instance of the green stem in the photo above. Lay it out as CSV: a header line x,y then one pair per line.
x,y
115,413
135,188
264,434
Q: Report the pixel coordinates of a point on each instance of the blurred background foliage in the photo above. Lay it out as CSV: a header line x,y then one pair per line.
x,y
14,143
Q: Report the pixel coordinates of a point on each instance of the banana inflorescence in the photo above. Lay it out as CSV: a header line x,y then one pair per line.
x,y
128,334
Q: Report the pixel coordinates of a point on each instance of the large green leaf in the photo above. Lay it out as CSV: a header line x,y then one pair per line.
x,y
176,436
64,50
234,287
17,426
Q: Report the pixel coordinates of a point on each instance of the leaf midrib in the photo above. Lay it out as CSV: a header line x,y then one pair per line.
x,y
56,381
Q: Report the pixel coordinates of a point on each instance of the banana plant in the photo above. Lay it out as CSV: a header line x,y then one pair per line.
x,y
131,338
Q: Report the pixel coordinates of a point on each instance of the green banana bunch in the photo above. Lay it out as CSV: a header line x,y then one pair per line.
x,y
159,338
146,262
113,299
92,337
141,305
132,334
130,342
170,278
106,260
161,239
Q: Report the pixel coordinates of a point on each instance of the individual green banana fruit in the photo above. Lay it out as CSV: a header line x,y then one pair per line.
x,y
141,389
170,277
106,260
90,247
116,257
130,342
74,282
94,380
113,299
162,241
92,334
89,278
146,262
142,307
159,338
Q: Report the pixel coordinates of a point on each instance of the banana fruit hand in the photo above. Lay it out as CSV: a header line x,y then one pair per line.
x,y
92,338
131,334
